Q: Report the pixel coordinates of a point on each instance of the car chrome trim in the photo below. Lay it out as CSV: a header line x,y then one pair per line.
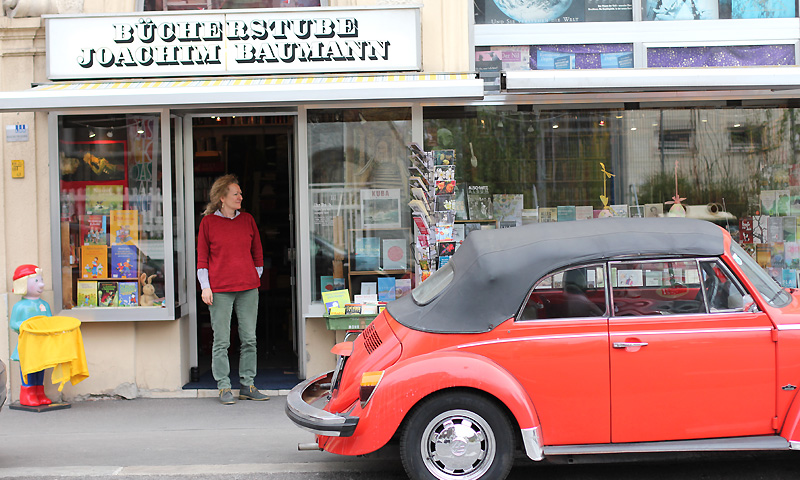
x,y
315,419
794,445
527,339
699,330
788,327
533,443
704,445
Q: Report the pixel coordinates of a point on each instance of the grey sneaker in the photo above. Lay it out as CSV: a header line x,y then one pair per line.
x,y
251,393
226,396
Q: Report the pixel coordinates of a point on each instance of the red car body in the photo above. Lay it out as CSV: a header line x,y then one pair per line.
x,y
638,377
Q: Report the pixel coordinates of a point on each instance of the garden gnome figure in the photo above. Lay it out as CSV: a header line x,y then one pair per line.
x,y
28,283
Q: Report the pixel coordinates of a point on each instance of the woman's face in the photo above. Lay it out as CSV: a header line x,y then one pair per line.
x,y
233,199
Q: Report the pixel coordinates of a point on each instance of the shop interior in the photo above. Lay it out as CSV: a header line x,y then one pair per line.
x,y
258,150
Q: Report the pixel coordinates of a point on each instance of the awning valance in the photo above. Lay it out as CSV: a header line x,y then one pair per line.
x,y
237,92
653,79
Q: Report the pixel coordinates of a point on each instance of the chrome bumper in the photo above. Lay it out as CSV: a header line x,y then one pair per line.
x,y
304,415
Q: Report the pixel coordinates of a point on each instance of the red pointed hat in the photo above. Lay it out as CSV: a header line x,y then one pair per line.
x,y
25,270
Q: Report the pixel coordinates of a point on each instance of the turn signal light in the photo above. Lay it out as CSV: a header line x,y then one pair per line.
x,y
369,381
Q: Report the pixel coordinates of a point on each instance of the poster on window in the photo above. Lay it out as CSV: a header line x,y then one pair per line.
x,y
681,9
380,208
529,11
761,8
609,10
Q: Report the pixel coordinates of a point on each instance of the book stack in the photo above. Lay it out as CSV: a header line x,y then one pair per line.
x,y
423,209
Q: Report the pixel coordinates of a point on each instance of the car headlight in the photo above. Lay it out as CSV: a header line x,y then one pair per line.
x,y
369,382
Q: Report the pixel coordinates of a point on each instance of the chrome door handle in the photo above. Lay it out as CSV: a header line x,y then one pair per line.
x,y
629,344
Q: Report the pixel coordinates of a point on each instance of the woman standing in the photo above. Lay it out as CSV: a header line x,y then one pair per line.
x,y
229,267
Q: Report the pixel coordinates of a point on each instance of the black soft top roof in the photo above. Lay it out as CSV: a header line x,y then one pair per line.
x,y
493,270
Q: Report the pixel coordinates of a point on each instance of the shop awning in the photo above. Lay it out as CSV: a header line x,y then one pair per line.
x,y
653,79
236,92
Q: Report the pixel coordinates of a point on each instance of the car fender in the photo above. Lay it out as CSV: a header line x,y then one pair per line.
x,y
791,424
406,383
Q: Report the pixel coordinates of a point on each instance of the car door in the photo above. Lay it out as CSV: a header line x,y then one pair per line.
x,y
687,361
558,350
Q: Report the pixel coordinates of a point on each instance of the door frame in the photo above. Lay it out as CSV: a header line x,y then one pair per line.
x,y
187,143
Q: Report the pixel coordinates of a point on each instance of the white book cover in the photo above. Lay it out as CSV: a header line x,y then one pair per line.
x,y
395,254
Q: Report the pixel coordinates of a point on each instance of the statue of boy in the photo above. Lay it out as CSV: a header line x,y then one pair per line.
x,y
28,283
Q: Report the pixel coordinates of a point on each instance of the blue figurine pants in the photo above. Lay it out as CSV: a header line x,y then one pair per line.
x,y
35,378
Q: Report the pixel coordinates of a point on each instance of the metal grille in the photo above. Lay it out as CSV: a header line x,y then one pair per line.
x,y
371,339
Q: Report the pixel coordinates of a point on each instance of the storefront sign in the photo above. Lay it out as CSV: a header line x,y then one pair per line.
x,y
260,42
16,133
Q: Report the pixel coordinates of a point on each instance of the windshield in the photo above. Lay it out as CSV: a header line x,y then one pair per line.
x,y
434,285
773,293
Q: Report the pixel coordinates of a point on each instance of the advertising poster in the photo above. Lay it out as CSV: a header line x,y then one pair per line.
x,y
681,10
528,11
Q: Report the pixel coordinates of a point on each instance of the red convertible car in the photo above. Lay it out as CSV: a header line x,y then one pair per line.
x,y
594,337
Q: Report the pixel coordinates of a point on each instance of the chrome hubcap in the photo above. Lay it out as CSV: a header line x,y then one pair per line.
x,y
458,444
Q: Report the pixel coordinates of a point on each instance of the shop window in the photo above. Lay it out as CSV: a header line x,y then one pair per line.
x,y
715,9
746,139
156,5
721,56
558,57
510,12
675,141
359,192
113,261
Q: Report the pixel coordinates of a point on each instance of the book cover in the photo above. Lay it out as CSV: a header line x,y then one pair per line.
x,y
445,248
774,229
777,255
445,203
352,309
94,261
444,157
444,187
366,299
789,229
444,173
124,261
471,227
459,234
421,223
444,233
402,286
368,253
386,289
782,202
101,199
460,205
395,254
789,278
620,210
124,227
583,212
792,254
653,210
128,293
746,230
763,254
326,283
107,294
566,213
87,293
369,288
769,202
508,208
94,229
479,202
548,214
443,260
760,228
336,298
636,211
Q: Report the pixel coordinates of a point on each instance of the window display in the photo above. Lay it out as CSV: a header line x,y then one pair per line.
x,y
359,192
112,226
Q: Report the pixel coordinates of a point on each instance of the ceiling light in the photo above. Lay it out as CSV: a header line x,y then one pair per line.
x,y
555,126
633,129
92,134
140,130
736,125
530,129
602,123
500,124
110,133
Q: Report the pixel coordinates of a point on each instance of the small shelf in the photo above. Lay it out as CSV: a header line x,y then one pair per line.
x,y
378,272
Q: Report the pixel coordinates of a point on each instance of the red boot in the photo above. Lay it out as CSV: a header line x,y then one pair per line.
x,y
43,400
28,397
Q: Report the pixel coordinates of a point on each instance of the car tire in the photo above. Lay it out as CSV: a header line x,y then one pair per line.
x,y
483,446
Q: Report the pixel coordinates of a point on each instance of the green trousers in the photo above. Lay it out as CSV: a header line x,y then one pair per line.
x,y
246,305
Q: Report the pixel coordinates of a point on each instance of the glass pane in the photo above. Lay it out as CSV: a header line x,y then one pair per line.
x,y
561,11
576,292
656,288
721,291
155,5
112,226
359,193
714,9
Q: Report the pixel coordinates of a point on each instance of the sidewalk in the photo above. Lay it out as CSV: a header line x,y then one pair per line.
x,y
149,436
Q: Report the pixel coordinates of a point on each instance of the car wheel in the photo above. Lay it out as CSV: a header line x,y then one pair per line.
x,y
457,436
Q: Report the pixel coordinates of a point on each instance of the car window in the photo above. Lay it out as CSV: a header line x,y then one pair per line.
x,y
669,287
571,293
773,293
722,292
434,285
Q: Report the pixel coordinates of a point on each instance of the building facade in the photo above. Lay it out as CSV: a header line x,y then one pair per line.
x,y
587,113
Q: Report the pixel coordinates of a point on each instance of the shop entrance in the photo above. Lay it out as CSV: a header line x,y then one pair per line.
x,y
259,151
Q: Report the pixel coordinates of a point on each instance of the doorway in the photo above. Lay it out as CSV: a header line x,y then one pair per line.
x,y
259,150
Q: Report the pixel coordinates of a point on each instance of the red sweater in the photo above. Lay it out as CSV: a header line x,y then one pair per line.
x,y
231,250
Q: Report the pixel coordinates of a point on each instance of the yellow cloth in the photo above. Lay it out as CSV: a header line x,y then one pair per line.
x,y
56,342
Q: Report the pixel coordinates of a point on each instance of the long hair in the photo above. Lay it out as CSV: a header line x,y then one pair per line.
x,y
218,190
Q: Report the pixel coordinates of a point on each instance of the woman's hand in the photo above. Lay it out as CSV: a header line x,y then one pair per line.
x,y
207,296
